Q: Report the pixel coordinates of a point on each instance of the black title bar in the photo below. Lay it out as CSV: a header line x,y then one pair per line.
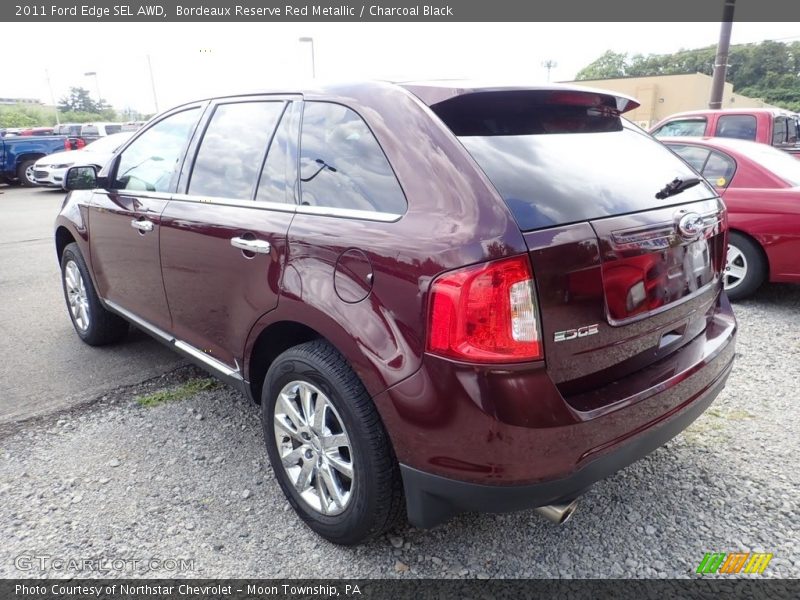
x,y
399,10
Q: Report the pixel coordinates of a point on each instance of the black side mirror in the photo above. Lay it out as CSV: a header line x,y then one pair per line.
x,y
80,178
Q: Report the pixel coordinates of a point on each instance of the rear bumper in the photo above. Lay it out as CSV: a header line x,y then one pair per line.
x,y
432,499
503,438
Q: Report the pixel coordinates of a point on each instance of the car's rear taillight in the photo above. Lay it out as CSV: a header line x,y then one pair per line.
x,y
485,313
67,144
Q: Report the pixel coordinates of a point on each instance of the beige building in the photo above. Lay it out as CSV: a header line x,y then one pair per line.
x,y
664,95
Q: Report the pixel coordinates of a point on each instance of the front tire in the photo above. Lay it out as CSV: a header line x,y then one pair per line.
x,y
25,173
745,268
93,323
327,445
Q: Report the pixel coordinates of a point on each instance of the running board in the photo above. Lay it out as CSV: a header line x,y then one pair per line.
x,y
231,376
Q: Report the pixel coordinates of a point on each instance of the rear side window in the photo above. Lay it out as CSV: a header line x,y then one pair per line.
x,y
719,169
110,129
232,150
342,165
89,130
563,164
740,127
682,128
693,155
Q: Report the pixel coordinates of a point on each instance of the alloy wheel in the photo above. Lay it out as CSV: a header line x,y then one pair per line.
x,y
77,298
314,447
735,268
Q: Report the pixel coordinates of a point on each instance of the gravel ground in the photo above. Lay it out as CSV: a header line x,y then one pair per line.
x,y
189,479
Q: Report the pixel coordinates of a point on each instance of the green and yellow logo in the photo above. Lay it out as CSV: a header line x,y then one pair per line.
x,y
735,562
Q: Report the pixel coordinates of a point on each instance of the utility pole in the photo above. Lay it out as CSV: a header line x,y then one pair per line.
x,y
721,62
52,96
549,65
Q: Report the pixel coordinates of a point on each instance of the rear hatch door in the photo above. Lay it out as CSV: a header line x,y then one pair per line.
x,y
626,242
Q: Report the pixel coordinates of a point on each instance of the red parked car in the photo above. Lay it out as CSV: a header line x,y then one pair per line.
x,y
761,188
445,297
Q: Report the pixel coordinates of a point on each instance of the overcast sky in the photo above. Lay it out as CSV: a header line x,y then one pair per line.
x,y
193,60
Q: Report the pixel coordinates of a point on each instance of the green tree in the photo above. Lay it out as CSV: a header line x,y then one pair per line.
x,y
79,100
609,65
769,70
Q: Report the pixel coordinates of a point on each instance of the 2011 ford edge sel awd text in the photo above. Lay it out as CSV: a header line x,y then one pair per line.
x,y
445,297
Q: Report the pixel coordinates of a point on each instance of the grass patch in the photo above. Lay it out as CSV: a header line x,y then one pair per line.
x,y
175,394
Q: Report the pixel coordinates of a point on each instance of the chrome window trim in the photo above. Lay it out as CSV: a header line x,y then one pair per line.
x,y
277,206
320,211
143,194
348,213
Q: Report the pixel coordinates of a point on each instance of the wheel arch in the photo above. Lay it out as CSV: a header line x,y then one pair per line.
x,y
758,245
267,345
64,237
21,158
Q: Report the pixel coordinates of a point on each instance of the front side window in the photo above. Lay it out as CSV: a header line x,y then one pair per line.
x,y
150,161
279,174
232,150
342,165
740,127
681,128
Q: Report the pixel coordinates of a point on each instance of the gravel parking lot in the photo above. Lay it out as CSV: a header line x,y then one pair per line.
x,y
140,476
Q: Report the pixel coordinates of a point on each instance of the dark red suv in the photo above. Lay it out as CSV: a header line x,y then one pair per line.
x,y
445,297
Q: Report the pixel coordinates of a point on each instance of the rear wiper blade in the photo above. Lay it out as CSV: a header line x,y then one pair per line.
x,y
676,186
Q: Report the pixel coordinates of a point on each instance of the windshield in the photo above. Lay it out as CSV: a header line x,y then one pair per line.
x,y
555,165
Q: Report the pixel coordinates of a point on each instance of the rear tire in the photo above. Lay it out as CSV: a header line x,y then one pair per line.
x,y
327,426
745,269
93,323
25,173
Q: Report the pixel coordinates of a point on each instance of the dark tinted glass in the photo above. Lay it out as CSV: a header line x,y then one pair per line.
x,y
150,161
741,127
113,129
555,179
280,168
229,159
342,164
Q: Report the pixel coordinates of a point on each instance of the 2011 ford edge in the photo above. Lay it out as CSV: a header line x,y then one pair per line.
x,y
446,297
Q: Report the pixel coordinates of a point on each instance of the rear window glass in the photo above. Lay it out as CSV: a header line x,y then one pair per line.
x,y
563,164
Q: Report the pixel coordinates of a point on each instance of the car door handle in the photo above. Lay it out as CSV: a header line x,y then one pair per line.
x,y
142,225
257,246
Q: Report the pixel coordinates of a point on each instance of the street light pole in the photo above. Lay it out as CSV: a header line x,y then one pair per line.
x,y
313,62
549,65
52,96
96,85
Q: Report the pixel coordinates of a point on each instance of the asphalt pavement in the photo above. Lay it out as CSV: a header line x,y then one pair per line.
x,y
45,367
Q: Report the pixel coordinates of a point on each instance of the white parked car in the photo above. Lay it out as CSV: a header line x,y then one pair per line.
x,y
50,170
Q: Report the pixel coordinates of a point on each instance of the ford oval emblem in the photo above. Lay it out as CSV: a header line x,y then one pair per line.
x,y
690,225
